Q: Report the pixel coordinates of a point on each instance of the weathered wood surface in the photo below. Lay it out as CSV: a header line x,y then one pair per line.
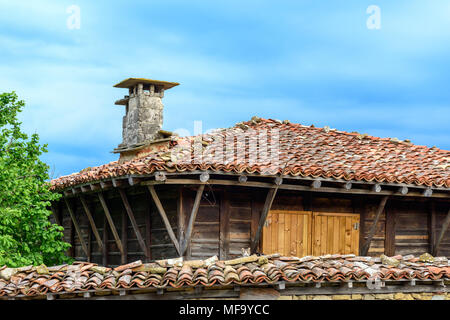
x,y
389,244
124,227
91,221
133,221
442,233
380,209
413,229
267,206
192,218
376,189
165,219
110,222
77,227
432,227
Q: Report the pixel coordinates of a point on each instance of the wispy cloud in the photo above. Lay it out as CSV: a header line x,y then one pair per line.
x,y
305,61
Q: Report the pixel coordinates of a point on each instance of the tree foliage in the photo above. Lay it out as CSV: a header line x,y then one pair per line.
x,y
27,237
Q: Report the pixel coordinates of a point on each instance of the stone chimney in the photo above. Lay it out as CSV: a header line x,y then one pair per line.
x,y
143,120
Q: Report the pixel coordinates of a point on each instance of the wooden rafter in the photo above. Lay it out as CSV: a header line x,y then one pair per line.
x,y
442,233
77,227
133,221
110,222
295,187
91,221
192,218
267,205
164,218
380,209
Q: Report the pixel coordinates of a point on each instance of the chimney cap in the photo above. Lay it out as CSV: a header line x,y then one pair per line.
x,y
131,82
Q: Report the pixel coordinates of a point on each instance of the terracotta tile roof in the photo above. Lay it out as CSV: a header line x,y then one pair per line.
x,y
304,151
174,273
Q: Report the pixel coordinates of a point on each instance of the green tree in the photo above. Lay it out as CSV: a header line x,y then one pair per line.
x,y
27,237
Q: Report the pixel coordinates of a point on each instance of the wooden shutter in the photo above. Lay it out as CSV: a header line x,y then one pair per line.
x,y
287,233
302,233
335,233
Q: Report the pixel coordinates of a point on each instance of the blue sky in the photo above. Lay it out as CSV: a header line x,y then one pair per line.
x,y
312,62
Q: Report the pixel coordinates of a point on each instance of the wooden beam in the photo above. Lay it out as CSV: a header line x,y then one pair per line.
x,y
242,179
77,227
95,186
403,190
258,184
267,205
164,217
91,221
133,221
278,181
428,192
296,178
132,181
380,209
160,176
110,222
204,177
445,225
347,186
118,183
316,184
376,188
105,184
192,218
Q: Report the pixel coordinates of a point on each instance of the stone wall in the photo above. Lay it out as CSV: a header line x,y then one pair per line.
x,y
144,118
379,296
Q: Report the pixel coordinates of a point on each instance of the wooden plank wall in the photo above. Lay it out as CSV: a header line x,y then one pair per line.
x,y
228,218
147,217
226,221
409,220
206,232
441,212
369,209
240,216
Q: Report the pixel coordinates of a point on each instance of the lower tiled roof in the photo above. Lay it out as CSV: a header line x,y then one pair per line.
x,y
174,273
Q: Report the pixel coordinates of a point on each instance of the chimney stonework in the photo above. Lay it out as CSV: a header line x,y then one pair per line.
x,y
143,120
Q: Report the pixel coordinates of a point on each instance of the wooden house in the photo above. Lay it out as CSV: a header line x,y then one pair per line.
x,y
269,185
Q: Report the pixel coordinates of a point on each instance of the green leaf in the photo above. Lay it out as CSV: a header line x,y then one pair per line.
x,y
26,235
